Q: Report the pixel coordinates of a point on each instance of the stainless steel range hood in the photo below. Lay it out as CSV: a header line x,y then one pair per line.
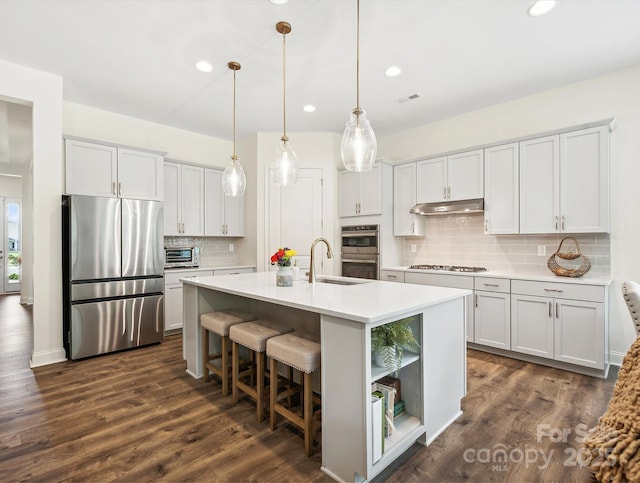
x,y
449,207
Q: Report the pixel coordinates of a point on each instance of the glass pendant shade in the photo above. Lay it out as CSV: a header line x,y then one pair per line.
x,y
359,145
234,181
284,170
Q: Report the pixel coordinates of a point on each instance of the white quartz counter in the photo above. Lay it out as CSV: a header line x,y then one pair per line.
x,y
550,277
369,302
208,267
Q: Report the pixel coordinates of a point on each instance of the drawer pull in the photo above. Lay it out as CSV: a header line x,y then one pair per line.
x,y
392,276
556,290
491,284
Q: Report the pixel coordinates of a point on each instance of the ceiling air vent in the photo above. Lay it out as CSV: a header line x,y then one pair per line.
x,y
412,97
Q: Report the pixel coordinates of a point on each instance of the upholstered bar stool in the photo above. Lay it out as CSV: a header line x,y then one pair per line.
x,y
302,352
254,336
219,323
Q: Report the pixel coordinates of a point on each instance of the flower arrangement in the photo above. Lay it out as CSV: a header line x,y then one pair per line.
x,y
282,257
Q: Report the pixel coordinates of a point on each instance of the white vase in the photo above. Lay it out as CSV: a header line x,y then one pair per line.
x,y
284,277
380,355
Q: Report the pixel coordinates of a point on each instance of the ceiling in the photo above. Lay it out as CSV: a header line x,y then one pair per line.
x,y
136,57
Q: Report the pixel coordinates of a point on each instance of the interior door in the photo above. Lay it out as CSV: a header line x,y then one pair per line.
x,y
295,217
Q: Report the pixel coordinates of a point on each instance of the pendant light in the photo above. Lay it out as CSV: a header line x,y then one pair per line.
x,y
359,144
234,180
284,170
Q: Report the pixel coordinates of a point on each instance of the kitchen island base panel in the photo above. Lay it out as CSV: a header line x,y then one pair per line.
x,y
432,388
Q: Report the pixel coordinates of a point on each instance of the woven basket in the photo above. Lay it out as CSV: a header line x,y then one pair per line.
x,y
552,262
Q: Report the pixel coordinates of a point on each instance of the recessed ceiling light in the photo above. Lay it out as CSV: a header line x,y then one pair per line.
x,y
541,7
393,71
309,108
279,2
204,66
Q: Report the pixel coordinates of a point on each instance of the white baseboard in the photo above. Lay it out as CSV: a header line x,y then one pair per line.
x,y
45,358
615,358
26,300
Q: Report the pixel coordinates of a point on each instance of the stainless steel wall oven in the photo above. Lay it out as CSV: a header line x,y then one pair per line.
x,y
360,252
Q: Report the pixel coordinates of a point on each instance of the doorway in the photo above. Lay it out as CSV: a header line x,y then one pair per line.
x,y
10,250
295,216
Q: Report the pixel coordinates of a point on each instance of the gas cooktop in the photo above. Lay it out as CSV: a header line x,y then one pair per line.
x,y
448,268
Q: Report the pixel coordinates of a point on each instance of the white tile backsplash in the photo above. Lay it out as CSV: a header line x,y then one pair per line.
x,y
213,251
460,240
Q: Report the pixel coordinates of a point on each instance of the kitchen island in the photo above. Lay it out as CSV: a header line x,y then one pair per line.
x,y
343,311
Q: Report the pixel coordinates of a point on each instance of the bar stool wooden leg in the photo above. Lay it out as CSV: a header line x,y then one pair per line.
x,y
308,414
273,389
225,365
260,385
235,363
204,336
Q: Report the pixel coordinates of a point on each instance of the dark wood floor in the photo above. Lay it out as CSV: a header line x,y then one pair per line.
x,y
137,416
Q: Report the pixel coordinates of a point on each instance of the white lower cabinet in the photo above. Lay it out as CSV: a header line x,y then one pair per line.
x,y
571,326
392,275
563,322
492,312
532,325
173,305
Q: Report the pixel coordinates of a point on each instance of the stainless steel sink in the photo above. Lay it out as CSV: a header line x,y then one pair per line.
x,y
338,282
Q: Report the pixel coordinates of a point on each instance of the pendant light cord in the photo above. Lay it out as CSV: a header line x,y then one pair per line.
x,y
358,56
234,157
284,87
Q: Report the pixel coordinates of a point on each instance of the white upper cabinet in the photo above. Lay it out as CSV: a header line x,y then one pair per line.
x,y
360,193
184,200
432,180
98,170
224,215
540,185
140,175
584,181
450,178
564,183
501,193
404,198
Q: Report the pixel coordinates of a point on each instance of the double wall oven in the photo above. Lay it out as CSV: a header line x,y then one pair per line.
x,y
360,251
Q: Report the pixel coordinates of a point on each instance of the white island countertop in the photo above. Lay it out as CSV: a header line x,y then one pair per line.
x,y
369,301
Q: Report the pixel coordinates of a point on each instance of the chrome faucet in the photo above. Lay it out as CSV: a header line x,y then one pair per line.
x,y
312,271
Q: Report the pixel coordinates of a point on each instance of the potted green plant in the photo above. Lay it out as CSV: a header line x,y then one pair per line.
x,y
389,341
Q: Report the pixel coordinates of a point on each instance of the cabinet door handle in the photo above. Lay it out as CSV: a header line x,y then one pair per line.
x,y
444,192
549,309
119,188
556,221
448,192
557,310
486,226
476,299
113,187
491,284
556,290
562,223
413,227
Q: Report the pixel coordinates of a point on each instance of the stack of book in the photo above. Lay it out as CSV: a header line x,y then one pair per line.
x,y
386,405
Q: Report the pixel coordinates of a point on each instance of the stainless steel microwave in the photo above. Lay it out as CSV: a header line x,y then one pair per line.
x,y
181,257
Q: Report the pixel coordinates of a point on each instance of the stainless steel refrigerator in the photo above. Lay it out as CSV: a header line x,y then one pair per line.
x,y
112,268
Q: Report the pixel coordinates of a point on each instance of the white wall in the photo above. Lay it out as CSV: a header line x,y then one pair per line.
x,y
614,95
43,92
10,186
88,122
